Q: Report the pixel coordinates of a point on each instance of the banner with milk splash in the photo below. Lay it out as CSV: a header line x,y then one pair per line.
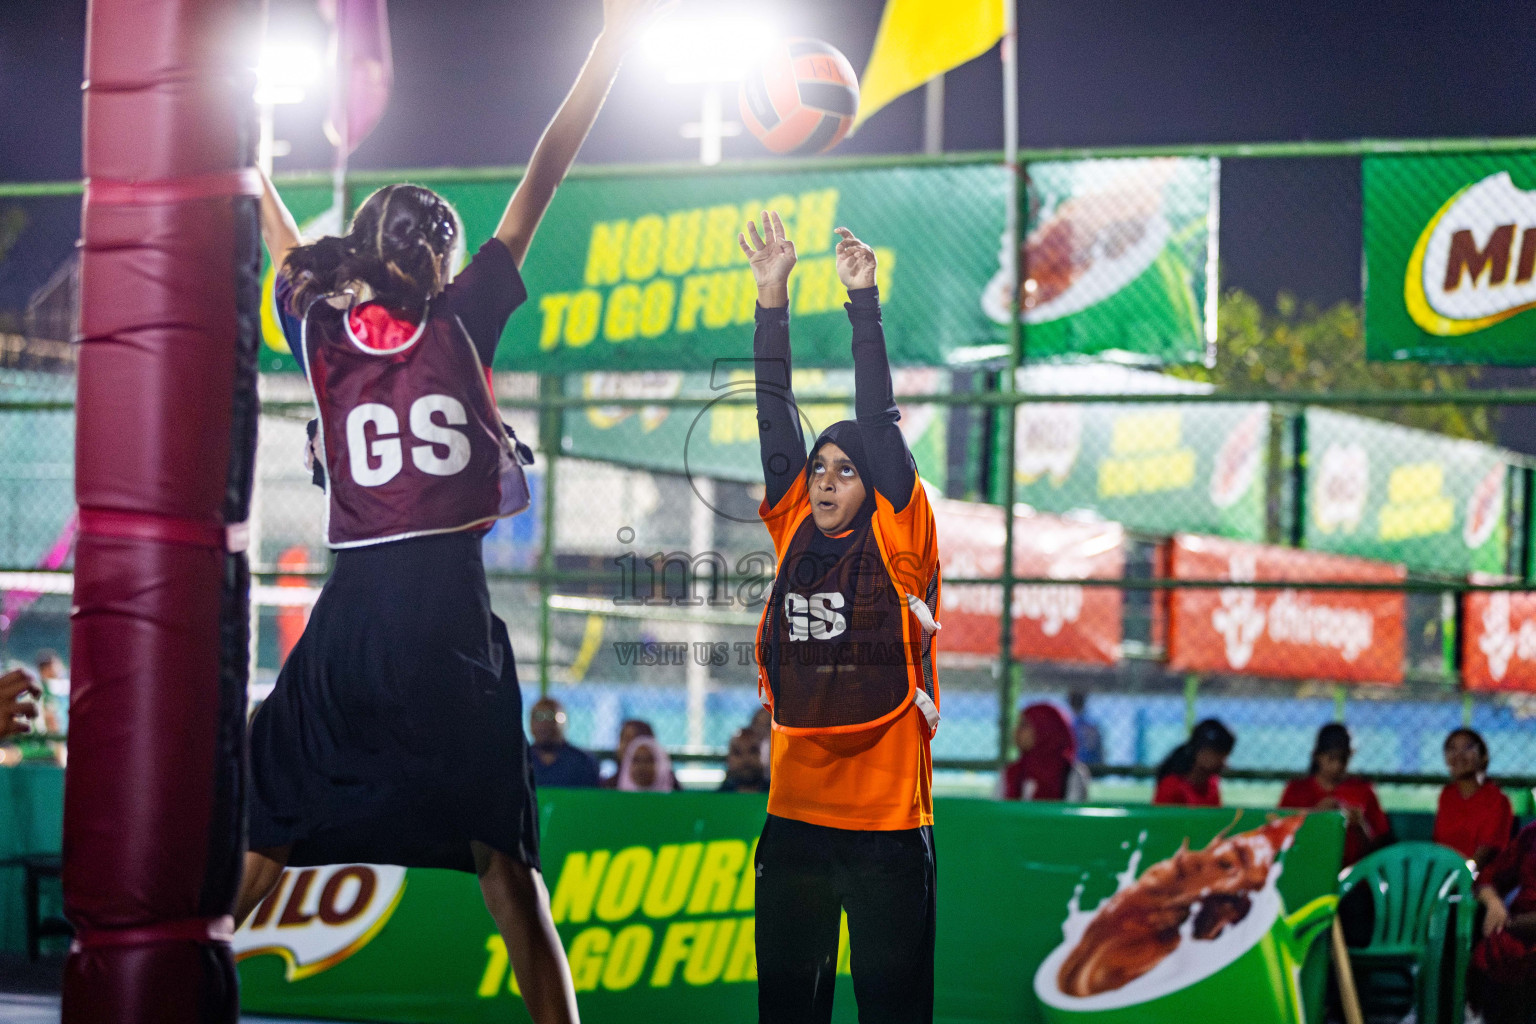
x,y
1450,257
653,896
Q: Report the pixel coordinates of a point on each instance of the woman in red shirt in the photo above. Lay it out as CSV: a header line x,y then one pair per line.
x,y
1191,774
1474,817
1329,787
1504,962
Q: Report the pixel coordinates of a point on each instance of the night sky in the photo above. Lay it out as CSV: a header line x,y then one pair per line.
x,y
477,79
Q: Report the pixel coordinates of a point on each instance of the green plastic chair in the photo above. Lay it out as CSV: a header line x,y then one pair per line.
x,y
1414,887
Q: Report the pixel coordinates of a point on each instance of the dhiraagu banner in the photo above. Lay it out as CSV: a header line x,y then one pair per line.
x,y
653,897
1158,468
1119,259
1433,503
1450,257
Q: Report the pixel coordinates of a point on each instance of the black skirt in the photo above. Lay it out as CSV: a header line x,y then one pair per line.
x,y
394,734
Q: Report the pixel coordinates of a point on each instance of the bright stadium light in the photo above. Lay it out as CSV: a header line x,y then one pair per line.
x,y
284,69
712,51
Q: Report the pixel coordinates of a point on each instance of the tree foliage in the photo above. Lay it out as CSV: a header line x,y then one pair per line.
x,y
1305,349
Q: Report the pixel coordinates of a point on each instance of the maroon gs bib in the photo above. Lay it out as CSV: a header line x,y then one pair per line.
x,y
411,436
835,636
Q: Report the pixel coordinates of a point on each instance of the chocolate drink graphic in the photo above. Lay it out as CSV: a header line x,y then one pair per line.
x,y
1193,932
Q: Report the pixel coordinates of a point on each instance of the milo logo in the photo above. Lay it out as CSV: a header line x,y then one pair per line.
x,y
1049,438
317,917
1340,488
1475,262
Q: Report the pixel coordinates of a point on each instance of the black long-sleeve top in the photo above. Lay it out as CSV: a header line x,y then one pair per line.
x,y
782,442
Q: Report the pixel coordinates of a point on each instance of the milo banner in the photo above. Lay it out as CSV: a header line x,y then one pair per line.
x,y
1397,494
1354,636
1063,621
720,439
641,271
1450,252
1498,639
1119,257
1046,914
1155,467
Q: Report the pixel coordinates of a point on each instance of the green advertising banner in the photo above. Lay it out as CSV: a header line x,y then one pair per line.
x,y
1450,257
1398,494
1119,259
641,271
1157,468
720,440
653,897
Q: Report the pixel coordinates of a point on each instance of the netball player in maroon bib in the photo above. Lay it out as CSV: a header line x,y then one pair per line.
x,y
394,734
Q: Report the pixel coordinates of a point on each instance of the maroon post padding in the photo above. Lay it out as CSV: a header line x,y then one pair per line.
x,y
153,815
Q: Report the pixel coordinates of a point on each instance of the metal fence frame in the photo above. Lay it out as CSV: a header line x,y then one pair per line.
x,y
552,402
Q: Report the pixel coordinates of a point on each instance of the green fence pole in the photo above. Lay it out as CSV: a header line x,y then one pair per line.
x,y
1191,695
1005,490
549,441
1340,701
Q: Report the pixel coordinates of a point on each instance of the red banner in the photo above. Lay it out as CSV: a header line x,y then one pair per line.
x,y
1051,622
1498,639
1349,635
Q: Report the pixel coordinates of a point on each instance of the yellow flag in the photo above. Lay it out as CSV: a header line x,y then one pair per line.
x,y
919,39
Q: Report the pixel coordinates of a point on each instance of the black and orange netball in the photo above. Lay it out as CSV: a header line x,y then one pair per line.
x,y
800,98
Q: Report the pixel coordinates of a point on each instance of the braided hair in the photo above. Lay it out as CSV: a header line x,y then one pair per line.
x,y
397,247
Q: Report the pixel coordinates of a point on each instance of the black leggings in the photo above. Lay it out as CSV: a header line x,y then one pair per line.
x,y
885,881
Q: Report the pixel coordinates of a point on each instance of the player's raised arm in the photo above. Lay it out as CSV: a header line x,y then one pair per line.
x,y
623,21
771,255
279,230
874,401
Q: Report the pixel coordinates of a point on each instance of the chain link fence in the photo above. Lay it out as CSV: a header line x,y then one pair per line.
x,y
1219,508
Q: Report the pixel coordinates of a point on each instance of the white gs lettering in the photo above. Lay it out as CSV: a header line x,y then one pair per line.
x,y
422,425
385,448
814,618
378,462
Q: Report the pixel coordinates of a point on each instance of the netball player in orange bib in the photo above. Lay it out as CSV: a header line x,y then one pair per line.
x,y
845,654
394,734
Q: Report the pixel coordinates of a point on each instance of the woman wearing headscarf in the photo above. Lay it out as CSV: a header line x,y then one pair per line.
x,y
845,656
646,768
1047,766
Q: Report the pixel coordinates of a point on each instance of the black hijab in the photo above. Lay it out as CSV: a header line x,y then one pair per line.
x,y
847,436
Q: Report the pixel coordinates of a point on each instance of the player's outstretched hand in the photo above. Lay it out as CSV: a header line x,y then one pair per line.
x,y
771,255
855,262
624,20
16,709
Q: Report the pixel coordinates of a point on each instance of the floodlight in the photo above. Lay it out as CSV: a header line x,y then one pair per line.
x,y
284,69
707,49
